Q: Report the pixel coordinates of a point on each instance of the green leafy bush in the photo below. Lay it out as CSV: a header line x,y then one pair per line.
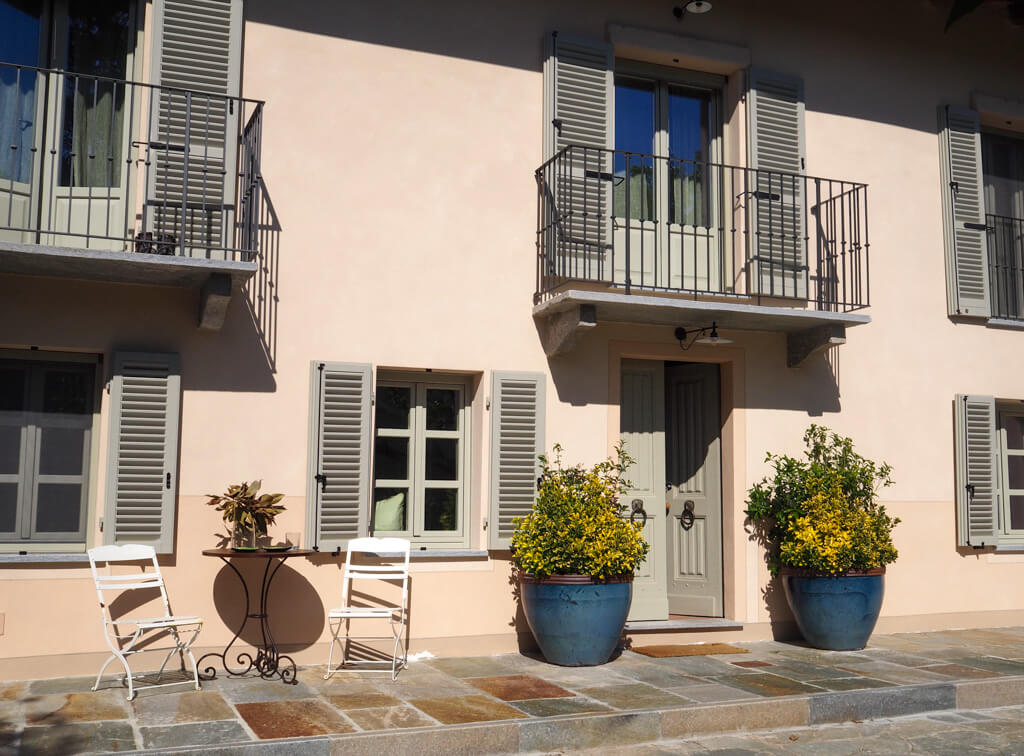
x,y
821,513
576,526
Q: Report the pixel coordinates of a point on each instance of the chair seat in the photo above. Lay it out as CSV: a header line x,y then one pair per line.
x,y
150,623
364,611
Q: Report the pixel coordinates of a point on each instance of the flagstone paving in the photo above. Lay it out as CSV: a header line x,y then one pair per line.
x,y
519,702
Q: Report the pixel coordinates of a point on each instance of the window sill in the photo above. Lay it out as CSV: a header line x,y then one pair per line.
x,y
41,557
1015,325
439,554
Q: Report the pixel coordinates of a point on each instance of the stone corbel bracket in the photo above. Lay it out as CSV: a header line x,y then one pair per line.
x,y
214,299
560,331
801,345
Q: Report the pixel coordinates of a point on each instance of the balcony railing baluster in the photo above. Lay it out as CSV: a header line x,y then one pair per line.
x,y
728,231
174,172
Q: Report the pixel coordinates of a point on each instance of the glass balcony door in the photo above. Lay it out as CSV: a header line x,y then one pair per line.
x,y
1003,165
663,198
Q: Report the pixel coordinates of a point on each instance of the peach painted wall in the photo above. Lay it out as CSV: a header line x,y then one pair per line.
x,y
400,140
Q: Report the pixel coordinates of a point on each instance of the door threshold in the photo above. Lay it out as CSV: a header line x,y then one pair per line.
x,y
680,622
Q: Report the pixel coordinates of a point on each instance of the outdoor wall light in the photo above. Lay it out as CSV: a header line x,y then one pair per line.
x,y
703,335
694,6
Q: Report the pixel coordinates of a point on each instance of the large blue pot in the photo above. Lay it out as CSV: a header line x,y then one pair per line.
x,y
835,613
577,622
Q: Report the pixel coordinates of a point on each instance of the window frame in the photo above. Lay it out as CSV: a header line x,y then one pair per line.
x,y
91,457
1007,536
416,483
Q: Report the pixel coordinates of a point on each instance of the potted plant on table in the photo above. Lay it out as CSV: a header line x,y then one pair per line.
x,y
247,513
827,537
575,555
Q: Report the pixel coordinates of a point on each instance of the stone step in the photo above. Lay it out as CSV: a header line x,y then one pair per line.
x,y
624,728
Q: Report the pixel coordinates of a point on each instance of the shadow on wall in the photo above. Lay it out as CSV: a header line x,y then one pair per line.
x,y
510,35
296,613
262,292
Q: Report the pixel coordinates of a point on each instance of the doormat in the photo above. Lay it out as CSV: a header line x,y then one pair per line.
x,y
693,649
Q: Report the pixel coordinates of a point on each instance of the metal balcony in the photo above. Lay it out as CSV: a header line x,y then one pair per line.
x,y
116,180
643,238
1006,266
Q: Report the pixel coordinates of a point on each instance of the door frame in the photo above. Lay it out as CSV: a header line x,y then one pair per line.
x,y
740,563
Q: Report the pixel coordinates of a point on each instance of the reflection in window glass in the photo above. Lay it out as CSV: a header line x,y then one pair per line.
x,y
634,133
8,507
58,508
443,459
393,404
689,139
12,388
391,458
1014,426
440,509
66,392
19,43
1017,513
442,409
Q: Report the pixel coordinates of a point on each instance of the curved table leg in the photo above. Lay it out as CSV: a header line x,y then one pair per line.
x,y
269,659
209,672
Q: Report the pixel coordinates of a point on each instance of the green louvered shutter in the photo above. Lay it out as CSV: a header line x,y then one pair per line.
x,y
578,112
963,197
339,462
977,487
517,437
775,111
142,477
194,135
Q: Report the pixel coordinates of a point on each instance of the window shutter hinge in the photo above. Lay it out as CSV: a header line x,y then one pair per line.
x,y
557,123
101,524
955,186
373,399
485,523
487,404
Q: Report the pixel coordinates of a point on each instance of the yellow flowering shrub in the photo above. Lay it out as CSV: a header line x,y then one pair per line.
x,y
834,535
576,526
821,512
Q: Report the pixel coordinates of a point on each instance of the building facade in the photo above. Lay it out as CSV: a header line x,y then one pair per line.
x,y
381,255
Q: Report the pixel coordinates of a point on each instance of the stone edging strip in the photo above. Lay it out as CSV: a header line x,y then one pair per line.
x,y
648,725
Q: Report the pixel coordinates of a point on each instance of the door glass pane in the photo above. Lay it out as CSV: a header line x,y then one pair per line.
x,y
66,391
19,45
8,507
1017,513
10,449
99,36
58,507
440,509
391,458
61,451
389,508
12,389
442,409
443,459
393,404
634,133
1014,431
1015,471
689,146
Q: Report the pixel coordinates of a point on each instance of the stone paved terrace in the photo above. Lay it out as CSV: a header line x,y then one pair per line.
x,y
516,703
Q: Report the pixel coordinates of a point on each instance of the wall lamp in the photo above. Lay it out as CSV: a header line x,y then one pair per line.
x,y
705,335
694,6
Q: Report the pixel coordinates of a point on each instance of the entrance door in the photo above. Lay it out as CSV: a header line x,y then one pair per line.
x,y
642,429
693,498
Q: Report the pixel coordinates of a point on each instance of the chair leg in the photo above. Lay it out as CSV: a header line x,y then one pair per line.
x,y
102,670
334,642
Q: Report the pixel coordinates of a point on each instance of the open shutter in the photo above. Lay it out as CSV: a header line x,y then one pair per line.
x,y
194,127
339,461
966,235
775,111
578,114
977,488
142,478
517,437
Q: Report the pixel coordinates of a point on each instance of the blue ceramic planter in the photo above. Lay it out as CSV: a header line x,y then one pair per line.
x,y
835,613
576,621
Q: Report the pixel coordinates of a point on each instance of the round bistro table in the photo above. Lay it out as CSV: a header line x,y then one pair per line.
x,y
268,662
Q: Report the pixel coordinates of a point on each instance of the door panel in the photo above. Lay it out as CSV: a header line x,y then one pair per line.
x,y
642,429
694,498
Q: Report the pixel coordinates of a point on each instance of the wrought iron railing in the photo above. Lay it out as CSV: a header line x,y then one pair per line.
x,y
1006,265
642,222
92,162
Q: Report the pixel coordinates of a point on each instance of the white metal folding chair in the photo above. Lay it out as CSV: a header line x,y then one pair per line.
x,y
396,571
124,644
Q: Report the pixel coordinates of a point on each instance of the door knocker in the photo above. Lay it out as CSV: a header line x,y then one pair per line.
x,y
638,509
686,516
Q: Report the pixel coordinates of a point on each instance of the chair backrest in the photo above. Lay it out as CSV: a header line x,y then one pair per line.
x,y
129,552
387,548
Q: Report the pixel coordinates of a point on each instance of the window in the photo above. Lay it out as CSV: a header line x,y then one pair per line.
x,y
1011,471
1003,170
46,415
420,458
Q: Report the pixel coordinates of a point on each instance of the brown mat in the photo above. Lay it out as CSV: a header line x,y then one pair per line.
x,y
693,649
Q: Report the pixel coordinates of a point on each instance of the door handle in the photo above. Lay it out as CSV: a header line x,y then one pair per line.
x,y
638,509
686,516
